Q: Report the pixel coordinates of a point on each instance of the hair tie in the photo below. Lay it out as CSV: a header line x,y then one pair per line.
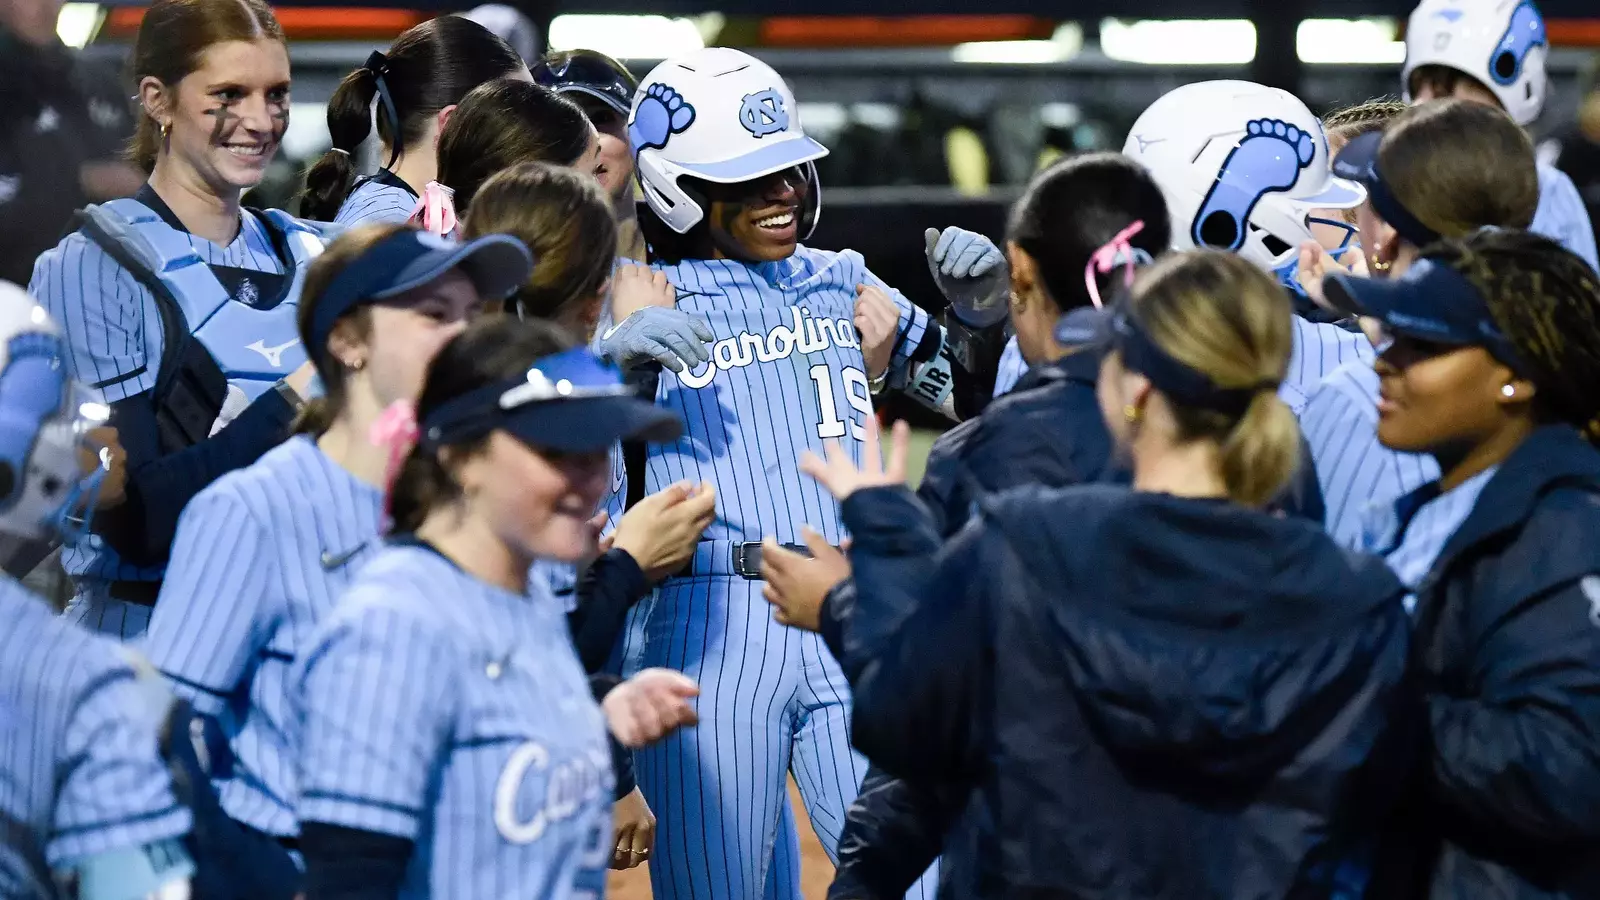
x,y
396,429
435,211
341,151
1117,250
378,65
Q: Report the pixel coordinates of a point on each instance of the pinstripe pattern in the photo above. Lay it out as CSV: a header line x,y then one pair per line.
x,y
79,770
373,202
1356,472
1318,349
772,699
113,338
1562,215
245,587
437,708
1012,368
1410,554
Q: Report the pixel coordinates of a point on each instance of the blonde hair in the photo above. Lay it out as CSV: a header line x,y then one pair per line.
x,y
1223,317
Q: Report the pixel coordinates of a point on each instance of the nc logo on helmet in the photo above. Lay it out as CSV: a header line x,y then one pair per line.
x,y
661,114
1269,159
762,113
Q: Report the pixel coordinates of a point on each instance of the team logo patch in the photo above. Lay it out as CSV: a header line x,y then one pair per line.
x,y
661,114
1268,160
763,113
248,294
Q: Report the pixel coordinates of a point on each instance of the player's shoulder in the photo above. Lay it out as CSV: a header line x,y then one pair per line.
x,y
49,657
1355,381
73,254
401,582
375,203
1553,180
263,483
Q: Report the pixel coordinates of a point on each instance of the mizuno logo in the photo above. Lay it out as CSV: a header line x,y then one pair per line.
x,y
331,561
273,355
1144,142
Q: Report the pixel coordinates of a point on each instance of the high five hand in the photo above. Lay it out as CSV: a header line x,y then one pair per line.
x,y
841,476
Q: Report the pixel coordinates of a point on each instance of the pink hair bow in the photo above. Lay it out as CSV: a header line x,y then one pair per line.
x,y
435,211
396,429
1106,258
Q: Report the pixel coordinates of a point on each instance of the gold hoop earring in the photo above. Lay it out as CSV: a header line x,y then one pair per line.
x,y
1381,266
166,130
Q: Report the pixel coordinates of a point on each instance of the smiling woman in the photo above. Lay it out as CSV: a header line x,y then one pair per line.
x,y
183,259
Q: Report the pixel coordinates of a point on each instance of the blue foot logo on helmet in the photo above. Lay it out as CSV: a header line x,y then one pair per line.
x,y
1525,32
661,114
1269,159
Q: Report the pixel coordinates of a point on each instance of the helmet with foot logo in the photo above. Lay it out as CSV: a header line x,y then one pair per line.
x,y
722,116
1243,167
1500,43
44,419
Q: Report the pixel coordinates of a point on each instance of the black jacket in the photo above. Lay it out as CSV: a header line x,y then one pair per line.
x,y
1508,649
1047,432
1146,696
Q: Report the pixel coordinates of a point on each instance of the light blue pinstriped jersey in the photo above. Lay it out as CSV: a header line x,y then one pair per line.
x,y
786,374
1562,215
1411,554
437,708
1318,349
373,202
80,773
114,340
1355,470
1012,368
259,559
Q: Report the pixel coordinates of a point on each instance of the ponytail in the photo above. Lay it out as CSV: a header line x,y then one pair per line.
x,y
1262,452
330,180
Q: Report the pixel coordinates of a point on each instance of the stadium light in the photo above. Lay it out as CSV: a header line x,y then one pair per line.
x,y
77,23
1062,46
1373,41
1179,41
627,37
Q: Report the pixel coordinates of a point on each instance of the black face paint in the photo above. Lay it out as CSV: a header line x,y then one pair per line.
x,y
279,110
225,117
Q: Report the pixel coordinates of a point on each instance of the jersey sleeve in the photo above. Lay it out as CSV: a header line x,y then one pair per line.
x,y
100,309
210,620
376,717
1353,469
914,322
116,793
1562,215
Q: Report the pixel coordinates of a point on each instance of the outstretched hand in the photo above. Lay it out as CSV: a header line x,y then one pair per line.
x,y
797,584
840,475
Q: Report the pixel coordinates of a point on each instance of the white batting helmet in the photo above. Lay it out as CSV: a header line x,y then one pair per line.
x,y
1501,43
44,417
722,116
1242,167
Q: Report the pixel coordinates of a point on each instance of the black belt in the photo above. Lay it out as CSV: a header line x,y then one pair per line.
x,y
747,558
139,593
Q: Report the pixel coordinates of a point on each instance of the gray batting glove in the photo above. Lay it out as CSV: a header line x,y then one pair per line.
x,y
972,274
675,339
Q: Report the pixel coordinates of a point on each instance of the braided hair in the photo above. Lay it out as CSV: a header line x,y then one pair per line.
x,y
1546,301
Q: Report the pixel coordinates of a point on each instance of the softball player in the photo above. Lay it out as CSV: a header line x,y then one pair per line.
x,y
426,71
263,552
1489,165
729,178
1244,167
86,803
1493,52
450,746
179,305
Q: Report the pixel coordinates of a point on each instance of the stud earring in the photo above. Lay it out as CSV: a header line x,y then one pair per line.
x,y
1508,390
1381,265
1130,412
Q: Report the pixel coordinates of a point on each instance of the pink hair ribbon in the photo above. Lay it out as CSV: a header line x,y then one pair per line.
x,y
1117,250
396,429
435,211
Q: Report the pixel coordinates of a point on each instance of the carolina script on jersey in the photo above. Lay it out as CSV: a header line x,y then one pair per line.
x,y
807,334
